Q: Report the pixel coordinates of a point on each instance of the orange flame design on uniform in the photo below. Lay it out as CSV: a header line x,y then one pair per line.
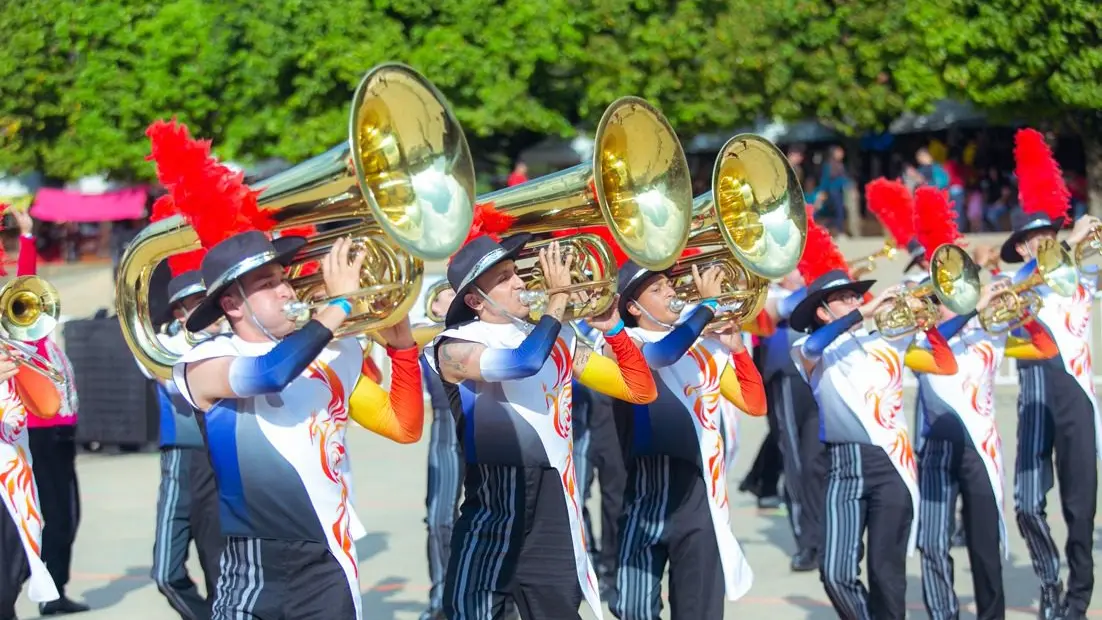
x,y
328,434
17,477
981,388
560,396
1076,320
705,406
887,405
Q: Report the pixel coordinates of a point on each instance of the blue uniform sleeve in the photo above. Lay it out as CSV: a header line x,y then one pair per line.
x,y
788,304
524,361
272,372
952,327
673,346
818,341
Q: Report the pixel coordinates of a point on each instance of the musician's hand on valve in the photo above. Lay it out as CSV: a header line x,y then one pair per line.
x,y
555,265
341,268
399,336
8,367
989,292
1083,226
886,296
607,319
709,284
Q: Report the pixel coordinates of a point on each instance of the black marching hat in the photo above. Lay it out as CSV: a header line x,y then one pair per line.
x,y
1034,222
917,252
181,287
232,258
471,261
803,317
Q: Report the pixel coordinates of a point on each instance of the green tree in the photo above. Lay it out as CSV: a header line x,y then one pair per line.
x,y
1033,60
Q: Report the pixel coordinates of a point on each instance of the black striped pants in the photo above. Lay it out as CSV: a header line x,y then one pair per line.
x,y
865,491
667,520
805,457
512,549
1056,415
441,501
605,461
949,465
266,579
187,509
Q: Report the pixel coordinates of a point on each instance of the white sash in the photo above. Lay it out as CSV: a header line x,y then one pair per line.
x,y
694,379
545,402
878,405
17,487
1069,321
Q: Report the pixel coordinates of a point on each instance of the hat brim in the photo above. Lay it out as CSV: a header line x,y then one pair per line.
x,y
210,309
803,316
1009,252
459,311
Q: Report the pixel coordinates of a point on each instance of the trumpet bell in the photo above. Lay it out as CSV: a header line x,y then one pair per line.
x,y
637,184
755,208
29,308
955,278
1056,268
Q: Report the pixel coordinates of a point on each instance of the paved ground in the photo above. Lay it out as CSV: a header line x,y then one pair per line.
x,y
112,555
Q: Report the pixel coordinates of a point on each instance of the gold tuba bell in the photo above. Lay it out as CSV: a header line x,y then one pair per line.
x,y
752,225
29,309
1019,303
402,186
637,184
954,280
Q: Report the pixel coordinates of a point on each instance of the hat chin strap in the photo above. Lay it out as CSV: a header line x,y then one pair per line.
x,y
520,324
252,314
650,316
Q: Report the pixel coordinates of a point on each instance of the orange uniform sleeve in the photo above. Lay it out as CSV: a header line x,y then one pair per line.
x,y
741,384
628,378
400,414
937,360
1039,345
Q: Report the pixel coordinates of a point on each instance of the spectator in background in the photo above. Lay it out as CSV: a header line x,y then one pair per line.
x,y
796,159
833,183
518,175
997,198
1077,185
932,173
958,176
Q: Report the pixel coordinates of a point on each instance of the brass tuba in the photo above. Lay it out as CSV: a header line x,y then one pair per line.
x,y
29,309
752,225
867,264
402,186
637,184
954,280
1019,303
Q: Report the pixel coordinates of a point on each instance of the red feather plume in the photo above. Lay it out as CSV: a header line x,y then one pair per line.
x,y
820,252
1041,187
298,231
308,269
213,198
188,261
893,205
163,207
935,219
488,221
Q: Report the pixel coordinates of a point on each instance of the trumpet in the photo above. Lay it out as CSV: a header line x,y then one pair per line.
x,y
954,280
1019,303
752,225
867,264
29,309
1087,249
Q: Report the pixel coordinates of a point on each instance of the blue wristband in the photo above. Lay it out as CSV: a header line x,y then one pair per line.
x,y
712,304
343,303
616,329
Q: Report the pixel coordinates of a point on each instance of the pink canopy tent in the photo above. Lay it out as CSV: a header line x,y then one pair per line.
x,y
60,205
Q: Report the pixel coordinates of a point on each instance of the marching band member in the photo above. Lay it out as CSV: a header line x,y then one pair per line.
x,y
276,400
187,500
676,505
1057,407
789,396
520,538
445,475
53,446
962,451
857,379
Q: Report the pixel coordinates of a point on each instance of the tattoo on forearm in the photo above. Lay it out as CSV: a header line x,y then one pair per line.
x,y
581,358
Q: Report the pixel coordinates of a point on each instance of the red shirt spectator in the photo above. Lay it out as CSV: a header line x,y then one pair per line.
x,y
518,175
